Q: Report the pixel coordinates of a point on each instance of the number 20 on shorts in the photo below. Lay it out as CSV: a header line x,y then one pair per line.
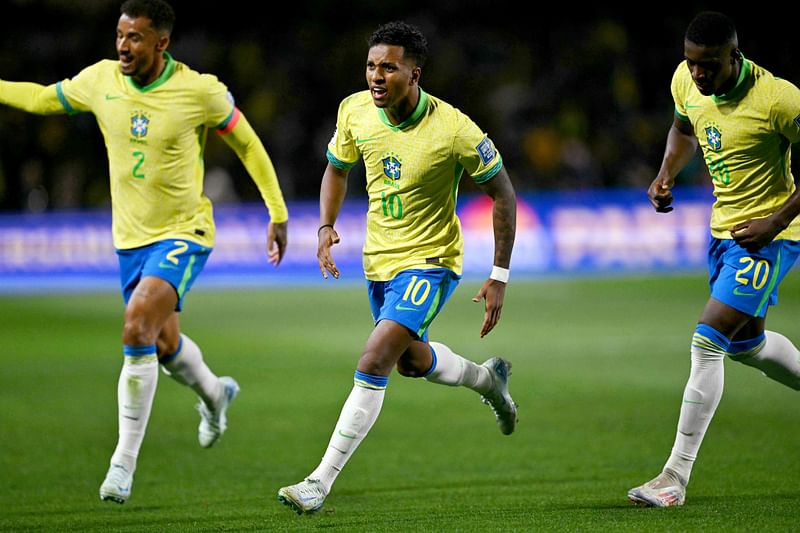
x,y
759,275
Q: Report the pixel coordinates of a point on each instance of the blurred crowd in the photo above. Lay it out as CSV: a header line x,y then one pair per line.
x,y
573,97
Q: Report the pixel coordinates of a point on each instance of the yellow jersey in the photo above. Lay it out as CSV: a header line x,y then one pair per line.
x,y
155,137
746,137
412,170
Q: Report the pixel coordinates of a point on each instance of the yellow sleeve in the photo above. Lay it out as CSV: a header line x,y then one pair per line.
x,y
678,88
785,111
31,97
241,137
475,152
342,151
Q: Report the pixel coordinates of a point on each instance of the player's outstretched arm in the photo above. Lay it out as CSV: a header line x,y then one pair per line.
x,y
276,241
504,222
248,147
681,146
331,197
31,97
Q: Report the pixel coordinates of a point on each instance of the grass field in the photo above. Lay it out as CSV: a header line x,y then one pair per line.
x,y
599,369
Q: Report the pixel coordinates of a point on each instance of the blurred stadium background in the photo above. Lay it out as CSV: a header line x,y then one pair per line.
x,y
576,99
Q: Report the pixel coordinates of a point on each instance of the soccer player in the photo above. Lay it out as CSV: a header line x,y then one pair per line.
x,y
745,120
415,149
154,113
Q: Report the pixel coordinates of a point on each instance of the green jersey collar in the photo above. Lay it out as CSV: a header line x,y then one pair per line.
x,y
737,89
168,70
422,105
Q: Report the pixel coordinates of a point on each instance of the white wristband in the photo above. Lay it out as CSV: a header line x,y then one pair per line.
x,y
499,274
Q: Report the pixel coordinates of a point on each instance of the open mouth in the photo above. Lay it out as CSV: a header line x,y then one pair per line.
x,y
125,61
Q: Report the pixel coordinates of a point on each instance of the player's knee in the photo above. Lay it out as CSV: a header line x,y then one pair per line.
x,y
409,369
136,332
166,347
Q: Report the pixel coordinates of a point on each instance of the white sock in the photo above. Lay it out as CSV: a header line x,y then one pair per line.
x,y
700,398
135,392
775,356
357,417
451,369
187,367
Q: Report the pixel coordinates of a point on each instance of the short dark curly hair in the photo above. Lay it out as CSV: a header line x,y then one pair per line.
x,y
158,11
711,28
400,33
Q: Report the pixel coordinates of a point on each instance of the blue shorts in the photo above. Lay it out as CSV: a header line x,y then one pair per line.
x,y
413,298
748,281
175,261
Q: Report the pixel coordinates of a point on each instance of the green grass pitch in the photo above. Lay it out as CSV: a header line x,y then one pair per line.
x,y
599,369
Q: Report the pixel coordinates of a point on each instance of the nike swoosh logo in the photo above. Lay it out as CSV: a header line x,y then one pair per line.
x,y
345,435
401,307
112,97
362,141
692,106
737,291
162,264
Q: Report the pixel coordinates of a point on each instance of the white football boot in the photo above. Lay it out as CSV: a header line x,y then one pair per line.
x,y
117,485
214,423
308,496
498,398
665,490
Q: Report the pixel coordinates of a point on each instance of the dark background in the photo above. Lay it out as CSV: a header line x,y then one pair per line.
x,y
574,98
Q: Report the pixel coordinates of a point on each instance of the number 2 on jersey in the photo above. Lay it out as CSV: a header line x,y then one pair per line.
x,y
137,171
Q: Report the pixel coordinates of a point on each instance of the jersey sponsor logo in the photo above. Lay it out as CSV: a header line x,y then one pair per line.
x,y
713,137
140,124
391,167
486,151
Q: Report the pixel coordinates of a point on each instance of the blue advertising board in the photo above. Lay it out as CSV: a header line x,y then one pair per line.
x,y
558,233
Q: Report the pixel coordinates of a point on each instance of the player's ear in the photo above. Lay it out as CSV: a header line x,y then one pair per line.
x,y
163,42
416,74
736,55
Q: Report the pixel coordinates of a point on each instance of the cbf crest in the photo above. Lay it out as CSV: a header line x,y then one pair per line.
x,y
392,166
140,124
713,137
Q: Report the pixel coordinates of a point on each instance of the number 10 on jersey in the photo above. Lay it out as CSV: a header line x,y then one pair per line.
x,y
391,205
